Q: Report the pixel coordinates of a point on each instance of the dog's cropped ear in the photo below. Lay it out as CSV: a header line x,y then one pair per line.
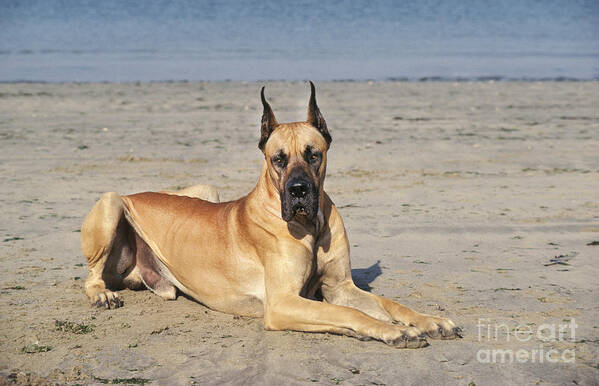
x,y
269,122
315,118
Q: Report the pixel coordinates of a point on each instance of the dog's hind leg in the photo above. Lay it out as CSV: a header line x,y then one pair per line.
x,y
152,271
105,242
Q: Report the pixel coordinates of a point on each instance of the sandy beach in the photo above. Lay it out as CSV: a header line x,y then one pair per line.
x,y
476,201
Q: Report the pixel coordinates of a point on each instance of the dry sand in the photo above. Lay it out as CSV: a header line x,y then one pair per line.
x,y
456,197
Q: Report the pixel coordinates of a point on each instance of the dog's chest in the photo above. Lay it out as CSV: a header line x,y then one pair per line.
x,y
312,279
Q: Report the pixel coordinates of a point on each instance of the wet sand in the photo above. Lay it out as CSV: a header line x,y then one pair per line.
x,y
474,201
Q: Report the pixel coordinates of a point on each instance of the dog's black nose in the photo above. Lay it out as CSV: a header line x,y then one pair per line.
x,y
298,189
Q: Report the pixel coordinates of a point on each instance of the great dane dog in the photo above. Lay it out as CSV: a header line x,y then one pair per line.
x,y
268,254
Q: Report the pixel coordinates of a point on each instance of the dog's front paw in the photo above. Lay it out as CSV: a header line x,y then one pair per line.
x,y
437,328
107,299
410,337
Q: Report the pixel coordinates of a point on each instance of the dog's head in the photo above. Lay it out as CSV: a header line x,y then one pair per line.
x,y
296,155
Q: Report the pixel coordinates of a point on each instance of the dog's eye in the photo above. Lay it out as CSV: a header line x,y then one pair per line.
x,y
279,160
314,158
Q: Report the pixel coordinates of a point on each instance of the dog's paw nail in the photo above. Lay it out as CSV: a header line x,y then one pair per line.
x,y
457,331
115,303
453,333
409,341
108,300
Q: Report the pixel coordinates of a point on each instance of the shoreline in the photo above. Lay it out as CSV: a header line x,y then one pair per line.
x,y
426,79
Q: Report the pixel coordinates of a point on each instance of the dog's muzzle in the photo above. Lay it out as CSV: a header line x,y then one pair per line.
x,y
299,198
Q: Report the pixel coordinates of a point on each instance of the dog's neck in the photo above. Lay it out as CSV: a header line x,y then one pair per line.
x,y
264,188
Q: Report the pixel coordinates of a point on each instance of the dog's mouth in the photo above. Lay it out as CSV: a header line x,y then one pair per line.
x,y
300,210
291,210
294,208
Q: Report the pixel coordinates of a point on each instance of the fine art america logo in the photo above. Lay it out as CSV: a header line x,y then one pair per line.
x,y
495,332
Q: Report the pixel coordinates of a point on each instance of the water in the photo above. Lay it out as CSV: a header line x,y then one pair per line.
x,y
159,40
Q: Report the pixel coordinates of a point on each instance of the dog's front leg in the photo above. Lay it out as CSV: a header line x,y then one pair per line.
x,y
285,309
293,312
347,293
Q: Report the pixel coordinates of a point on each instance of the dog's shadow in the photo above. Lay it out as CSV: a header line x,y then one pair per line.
x,y
364,276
